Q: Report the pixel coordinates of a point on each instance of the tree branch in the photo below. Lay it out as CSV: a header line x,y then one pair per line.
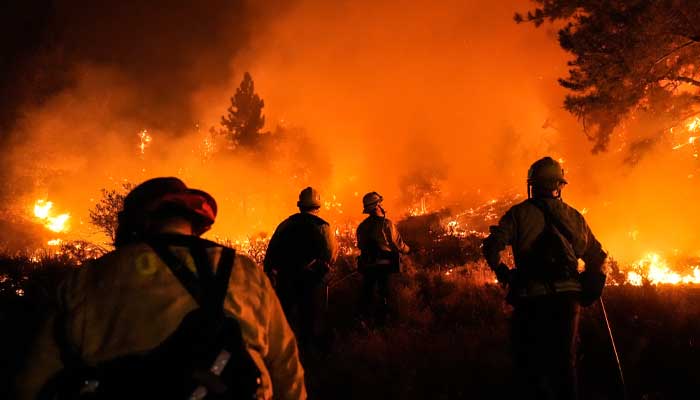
x,y
686,80
665,56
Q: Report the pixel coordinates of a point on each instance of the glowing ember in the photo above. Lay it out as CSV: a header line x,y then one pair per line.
x,y
54,223
694,125
54,242
655,270
145,141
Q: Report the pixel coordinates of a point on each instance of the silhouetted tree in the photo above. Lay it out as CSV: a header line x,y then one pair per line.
x,y
630,56
244,120
104,214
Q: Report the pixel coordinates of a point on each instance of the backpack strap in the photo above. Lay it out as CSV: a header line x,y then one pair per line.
x,y
551,219
183,274
215,284
223,275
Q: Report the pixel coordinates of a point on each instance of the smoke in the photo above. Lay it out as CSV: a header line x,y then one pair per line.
x,y
454,99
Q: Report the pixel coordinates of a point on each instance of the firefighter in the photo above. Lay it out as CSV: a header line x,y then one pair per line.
x,y
132,300
298,259
547,237
380,247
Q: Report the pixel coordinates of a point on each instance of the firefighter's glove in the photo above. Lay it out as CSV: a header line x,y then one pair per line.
x,y
592,283
503,274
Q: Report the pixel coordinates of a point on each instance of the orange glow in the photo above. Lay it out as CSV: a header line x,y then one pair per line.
x,y
53,222
694,125
452,93
655,270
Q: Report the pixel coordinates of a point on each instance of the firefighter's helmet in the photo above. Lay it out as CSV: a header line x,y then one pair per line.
x,y
546,173
370,201
309,198
170,195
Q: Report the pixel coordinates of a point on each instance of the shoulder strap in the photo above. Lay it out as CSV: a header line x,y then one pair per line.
x,y
223,275
550,218
215,284
183,274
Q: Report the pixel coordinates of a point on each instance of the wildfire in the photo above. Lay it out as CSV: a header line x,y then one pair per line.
x,y
54,223
654,269
419,210
694,125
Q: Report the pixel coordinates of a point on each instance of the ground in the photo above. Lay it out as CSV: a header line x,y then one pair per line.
x,y
447,338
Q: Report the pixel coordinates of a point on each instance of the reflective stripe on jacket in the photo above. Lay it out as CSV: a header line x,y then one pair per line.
x,y
129,301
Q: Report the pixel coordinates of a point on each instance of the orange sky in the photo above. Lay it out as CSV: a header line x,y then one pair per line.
x,y
386,93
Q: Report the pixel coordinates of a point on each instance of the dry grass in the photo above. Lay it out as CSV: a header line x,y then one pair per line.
x,y
447,338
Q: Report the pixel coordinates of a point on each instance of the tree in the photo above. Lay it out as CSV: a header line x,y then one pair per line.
x,y
105,213
244,120
632,58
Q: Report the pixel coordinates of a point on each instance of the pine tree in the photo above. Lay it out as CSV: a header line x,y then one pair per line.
x,y
244,121
632,58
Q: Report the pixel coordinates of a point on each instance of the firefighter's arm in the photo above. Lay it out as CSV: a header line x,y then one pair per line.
x,y
500,236
330,244
594,256
396,240
593,278
270,261
282,356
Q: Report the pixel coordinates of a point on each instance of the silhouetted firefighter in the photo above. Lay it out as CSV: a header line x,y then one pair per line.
x,y
548,237
167,315
298,258
380,245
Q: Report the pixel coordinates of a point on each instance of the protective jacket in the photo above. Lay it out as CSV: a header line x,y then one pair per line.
x,y
521,226
129,301
297,242
377,233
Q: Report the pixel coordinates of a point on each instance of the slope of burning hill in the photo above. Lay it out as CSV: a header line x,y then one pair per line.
x,y
446,238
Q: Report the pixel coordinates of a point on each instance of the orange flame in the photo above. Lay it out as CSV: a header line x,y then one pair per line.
x,y
54,223
655,270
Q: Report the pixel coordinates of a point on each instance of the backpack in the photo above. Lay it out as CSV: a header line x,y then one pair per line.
x,y
367,261
205,357
552,257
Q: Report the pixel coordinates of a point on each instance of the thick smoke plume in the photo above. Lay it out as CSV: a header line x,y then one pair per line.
x,y
451,97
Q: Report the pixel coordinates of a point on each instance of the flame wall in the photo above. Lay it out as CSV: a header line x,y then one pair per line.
x,y
389,94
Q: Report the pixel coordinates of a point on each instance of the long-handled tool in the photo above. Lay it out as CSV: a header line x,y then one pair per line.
x,y
332,285
612,341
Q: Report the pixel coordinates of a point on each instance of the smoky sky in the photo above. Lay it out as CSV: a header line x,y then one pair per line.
x,y
451,98
168,47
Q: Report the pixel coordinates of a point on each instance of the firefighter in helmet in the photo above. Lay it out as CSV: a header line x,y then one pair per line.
x,y
380,246
298,258
131,300
547,237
